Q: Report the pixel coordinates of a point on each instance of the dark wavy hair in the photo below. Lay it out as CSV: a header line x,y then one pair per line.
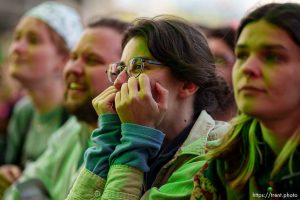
x,y
183,48
285,16
226,33
113,23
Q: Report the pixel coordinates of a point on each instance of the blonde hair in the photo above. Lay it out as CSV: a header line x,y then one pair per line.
x,y
241,144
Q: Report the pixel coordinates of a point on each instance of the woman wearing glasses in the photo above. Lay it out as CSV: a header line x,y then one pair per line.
x,y
154,127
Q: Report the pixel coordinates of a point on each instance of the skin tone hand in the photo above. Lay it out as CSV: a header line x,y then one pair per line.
x,y
104,102
10,172
135,102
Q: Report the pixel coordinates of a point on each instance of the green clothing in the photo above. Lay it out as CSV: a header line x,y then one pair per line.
x,y
29,132
2,148
174,180
59,165
209,183
118,144
17,129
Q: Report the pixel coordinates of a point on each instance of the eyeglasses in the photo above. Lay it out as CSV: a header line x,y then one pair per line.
x,y
135,68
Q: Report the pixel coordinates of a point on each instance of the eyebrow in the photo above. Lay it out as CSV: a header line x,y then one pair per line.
x,y
89,52
263,46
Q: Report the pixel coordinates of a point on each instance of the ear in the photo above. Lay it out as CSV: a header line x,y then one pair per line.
x,y
187,89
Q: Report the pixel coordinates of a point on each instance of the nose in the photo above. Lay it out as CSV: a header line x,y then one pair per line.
x,y
74,67
121,79
252,67
18,47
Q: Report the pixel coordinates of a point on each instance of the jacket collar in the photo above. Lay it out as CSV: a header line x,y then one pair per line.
x,y
205,129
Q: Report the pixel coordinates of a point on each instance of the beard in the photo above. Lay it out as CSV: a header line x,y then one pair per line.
x,y
83,110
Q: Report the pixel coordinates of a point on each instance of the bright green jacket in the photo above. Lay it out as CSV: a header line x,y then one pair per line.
x,y
174,181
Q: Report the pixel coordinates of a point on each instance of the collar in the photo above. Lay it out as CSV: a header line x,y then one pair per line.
x,y
205,129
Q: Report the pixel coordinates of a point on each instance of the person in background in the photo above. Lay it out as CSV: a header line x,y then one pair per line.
x,y
153,123
10,93
221,42
54,172
260,157
38,53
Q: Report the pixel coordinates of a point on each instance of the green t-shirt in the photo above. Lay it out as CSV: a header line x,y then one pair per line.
x,y
29,132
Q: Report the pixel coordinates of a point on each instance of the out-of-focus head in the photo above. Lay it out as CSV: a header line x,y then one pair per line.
x,y
221,41
85,72
42,40
64,20
266,73
173,50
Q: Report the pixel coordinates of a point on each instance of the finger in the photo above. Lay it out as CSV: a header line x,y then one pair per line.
x,y
111,97
103,95
117,99
7,177
163,95
10,173
145,86
15,172
106,92
4,173
104,103
132,87
108,98
124,92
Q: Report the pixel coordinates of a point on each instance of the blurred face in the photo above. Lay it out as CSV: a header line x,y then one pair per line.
x,y
33,55
224,58
137,47
266,73
84,73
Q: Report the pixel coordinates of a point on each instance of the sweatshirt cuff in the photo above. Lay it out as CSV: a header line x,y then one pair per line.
x,y
124,182
138,145
105,139
87,186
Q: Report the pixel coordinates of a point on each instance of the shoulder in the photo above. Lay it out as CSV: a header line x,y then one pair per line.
x,y
205,132
219,130
24,105
23,111
22,115
68,132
